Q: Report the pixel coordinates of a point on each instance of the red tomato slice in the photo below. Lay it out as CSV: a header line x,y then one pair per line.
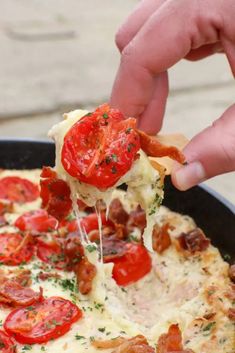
x,y
101,147
38,221
55,194
52,253
88,223
43,321
13,249
133,265
7,345
17,189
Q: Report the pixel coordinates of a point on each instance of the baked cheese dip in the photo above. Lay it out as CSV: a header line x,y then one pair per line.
x,y
57,295
86,267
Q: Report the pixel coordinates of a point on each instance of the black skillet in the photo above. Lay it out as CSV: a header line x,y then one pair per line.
x,y
214,214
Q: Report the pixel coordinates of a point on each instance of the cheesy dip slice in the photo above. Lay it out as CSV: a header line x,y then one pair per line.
x,y
96,152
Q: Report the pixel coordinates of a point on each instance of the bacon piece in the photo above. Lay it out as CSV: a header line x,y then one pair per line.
x,y
55,194
13,294
161,238
6,207
231,314
137,344
73,249
43,276
23,278
137,219
193,241
171,341
107,344
153,148
113,248
117,213
231,273
85,272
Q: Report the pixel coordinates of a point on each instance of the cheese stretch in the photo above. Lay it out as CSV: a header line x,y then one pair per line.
x,y
143,181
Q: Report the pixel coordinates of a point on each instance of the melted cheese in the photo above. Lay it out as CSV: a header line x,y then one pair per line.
x,y
143,181
173,292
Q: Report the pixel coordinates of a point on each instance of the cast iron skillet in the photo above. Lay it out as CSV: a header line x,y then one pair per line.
x,y
212,213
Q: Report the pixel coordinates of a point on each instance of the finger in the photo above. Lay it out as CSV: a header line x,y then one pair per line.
x,y
162,41
135,21
204,51
151,119
210,153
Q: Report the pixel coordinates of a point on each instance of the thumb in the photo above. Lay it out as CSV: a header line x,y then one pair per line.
x,y
210,153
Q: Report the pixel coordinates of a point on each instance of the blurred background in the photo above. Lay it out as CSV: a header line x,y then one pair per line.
x,y
57,55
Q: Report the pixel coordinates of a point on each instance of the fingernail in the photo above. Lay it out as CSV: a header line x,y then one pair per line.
x,y
189,175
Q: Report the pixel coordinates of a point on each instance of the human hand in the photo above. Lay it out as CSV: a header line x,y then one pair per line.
x,y
155,37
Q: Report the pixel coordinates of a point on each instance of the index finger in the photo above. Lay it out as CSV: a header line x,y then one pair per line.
x,y
167,36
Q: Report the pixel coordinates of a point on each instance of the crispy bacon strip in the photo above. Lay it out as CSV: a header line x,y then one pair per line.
x,y
113,248
231,273
85,272
107,344
13,294
153,148
136,219
55,194
171,341
231,314
137,344
161,238
193,241
117,213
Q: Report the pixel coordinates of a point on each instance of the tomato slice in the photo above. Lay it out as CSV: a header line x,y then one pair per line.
x,y
43,321
37,220
133,265
88,223
55,194
7,345
52,253
14,250
18,189
101,147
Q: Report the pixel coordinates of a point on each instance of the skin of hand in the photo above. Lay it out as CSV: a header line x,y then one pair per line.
x,y
156,36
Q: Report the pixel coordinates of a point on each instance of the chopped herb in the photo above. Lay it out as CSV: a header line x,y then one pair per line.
x,y
227,257
128,130
130,147
105,116
70,217
27,348
101,329
107,159
78,337
209,326
124,290
91,247
99,306
43,348
0,322
114,170
2,345
92,338
69,284
114,157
